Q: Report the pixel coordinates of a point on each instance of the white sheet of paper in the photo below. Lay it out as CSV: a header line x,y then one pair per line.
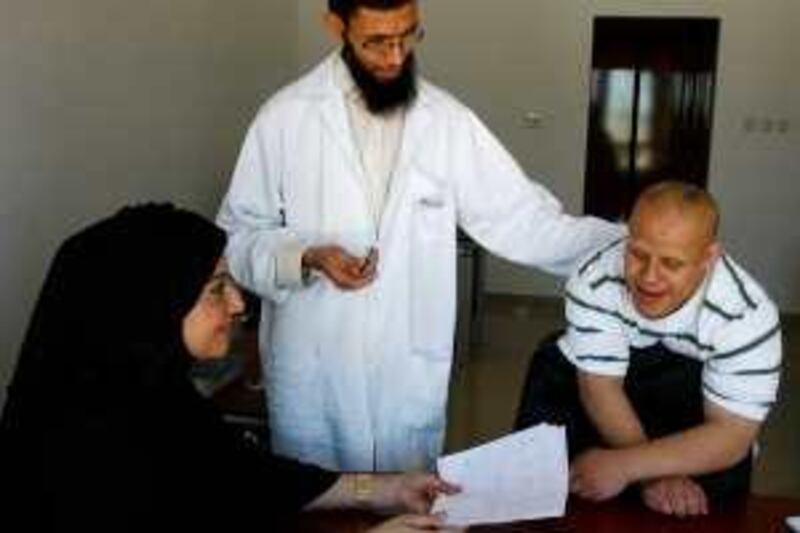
x,y
522,476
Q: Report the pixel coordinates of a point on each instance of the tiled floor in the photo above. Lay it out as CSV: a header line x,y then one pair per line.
x,y
487,383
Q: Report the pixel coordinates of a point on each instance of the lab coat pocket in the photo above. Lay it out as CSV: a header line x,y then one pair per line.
x,y
433,276
432,210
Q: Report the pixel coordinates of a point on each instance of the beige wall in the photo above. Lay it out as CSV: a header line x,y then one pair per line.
x,y
105,102
505,58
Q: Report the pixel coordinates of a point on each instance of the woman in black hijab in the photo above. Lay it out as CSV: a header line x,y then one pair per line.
x,y
103,428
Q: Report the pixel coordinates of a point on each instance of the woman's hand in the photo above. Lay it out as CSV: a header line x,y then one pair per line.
x,y
409,492
410,523
412,492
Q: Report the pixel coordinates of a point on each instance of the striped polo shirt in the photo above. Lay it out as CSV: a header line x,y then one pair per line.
x,y
729,324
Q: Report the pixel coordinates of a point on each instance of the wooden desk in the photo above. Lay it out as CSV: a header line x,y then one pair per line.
x,y
759,514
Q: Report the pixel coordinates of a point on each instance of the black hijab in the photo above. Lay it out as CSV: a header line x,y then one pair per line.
x,y
104,348
111,310
103,429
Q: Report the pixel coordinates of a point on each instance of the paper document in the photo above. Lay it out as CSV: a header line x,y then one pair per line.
x,y
519,477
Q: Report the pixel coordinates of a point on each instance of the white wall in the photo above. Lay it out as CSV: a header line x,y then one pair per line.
x,y
507,57
105,102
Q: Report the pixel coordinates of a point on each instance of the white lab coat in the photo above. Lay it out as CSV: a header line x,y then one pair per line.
x,y
358,380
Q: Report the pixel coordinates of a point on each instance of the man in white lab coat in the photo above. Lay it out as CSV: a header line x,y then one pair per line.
x,y
342,216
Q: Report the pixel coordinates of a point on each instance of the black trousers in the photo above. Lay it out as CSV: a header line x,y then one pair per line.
x,y
664,388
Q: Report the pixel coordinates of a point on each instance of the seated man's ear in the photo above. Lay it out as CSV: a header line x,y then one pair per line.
x,y
335,26
713,253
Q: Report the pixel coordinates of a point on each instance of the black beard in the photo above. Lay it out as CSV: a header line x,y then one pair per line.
x,y
382,97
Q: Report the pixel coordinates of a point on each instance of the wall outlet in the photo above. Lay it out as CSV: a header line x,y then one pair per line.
x,y
765,125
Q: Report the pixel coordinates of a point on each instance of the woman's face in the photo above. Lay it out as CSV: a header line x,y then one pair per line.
x,y
207,327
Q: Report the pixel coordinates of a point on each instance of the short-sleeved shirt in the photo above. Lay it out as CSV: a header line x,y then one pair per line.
x,y
729,324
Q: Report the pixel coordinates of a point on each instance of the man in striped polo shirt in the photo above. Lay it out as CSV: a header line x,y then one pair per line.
x,y
669,364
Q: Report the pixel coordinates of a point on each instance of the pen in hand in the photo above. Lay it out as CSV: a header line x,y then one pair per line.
x,y
369,264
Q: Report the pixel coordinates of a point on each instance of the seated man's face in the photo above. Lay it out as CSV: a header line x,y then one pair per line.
x,y
666,259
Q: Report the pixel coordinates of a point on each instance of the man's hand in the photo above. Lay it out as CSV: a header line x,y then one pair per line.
x,y
679,496
598,474
346,271
410,492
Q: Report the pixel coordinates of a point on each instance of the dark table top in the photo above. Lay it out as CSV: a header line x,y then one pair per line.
x,y
757,514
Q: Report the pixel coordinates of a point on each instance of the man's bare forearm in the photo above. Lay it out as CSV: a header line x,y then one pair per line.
x,y
608,407
714,445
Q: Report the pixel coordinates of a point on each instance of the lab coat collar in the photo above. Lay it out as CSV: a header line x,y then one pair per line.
x,y
322,84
